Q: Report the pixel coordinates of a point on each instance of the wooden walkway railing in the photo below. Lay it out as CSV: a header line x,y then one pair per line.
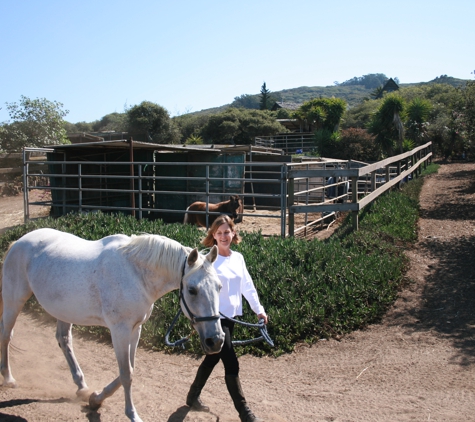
x,y
406,165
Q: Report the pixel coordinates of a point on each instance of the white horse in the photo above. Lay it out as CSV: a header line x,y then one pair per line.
x,y
112,282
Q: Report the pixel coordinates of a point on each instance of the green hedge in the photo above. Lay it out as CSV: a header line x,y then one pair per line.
x,y
310,289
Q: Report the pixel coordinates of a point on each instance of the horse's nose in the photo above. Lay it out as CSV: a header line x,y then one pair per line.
x,y
214,344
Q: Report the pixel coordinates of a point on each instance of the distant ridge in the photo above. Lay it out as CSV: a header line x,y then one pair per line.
x,y
350,91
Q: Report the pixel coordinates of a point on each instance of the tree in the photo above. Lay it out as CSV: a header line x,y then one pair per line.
x,y
432,113
417,114
265,98
357,144
240,126
347,144
360,115
371,81
464,115
190,124
377,92
35,123
387,124
194,140
247,101
441,125
116,122
149,122
78,127
322,113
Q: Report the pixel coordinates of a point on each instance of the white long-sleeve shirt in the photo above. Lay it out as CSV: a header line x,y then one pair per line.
x,y
237,282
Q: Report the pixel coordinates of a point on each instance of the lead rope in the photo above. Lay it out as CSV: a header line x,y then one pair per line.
x,y
260,325
181,342
262,328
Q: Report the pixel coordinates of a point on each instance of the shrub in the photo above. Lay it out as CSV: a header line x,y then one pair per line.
x,y
357,144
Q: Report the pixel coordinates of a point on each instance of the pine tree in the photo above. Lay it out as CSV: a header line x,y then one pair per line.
x,y
265,97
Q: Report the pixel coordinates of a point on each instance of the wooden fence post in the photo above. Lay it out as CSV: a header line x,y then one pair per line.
x,y
291,189
354,199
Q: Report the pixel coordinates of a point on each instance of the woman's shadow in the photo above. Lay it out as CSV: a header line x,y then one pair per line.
x,y
179,415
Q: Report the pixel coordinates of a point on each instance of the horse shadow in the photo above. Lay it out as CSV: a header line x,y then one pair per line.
x,y
91,415
11,418
20,402
12,403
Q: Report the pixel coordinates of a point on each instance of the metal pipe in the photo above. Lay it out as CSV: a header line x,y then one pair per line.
x,y
132,195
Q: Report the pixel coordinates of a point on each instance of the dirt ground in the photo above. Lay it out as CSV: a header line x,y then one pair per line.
x,y
418,364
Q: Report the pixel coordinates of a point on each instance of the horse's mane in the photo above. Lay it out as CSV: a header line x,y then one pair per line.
x,y
156,251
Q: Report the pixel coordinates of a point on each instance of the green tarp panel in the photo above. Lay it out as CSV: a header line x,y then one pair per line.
x,y
65,201
193,184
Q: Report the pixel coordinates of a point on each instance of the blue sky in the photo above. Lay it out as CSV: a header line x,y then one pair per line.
x,y
101,56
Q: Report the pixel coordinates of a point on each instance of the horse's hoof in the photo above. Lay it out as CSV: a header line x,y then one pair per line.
x,y
94,403
83,394
10,384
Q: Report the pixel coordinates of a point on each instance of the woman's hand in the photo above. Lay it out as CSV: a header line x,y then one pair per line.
x,y
262,316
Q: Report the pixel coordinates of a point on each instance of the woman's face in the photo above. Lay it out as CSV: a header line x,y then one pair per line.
x,y
223,236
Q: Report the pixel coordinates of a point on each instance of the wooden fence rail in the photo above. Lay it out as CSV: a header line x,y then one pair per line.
x,y
410,161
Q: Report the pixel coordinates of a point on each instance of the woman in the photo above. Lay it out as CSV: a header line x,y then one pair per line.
x,y
237,282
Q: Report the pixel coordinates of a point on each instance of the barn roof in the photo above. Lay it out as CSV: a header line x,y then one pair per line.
x,y
390,85
125,144
122,143
285,104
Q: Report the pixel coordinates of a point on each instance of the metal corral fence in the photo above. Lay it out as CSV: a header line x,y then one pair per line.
x,y
290,143
314,191
155,189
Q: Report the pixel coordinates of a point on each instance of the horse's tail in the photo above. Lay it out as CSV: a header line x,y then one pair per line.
x,y
1,281
186,220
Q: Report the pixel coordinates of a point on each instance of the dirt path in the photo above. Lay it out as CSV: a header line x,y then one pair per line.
x,y
417,365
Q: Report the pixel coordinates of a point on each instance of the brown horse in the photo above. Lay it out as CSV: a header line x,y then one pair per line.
x,y
232,207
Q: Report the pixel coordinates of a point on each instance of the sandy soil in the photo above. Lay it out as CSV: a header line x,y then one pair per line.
x,y
418,364
12,211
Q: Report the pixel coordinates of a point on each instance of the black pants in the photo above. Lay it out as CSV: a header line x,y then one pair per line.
x,y
227,353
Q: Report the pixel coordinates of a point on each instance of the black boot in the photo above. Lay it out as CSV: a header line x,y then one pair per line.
x,y
193,398
235,390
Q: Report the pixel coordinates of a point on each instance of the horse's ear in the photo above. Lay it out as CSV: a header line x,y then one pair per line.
x,y
192,257
212,254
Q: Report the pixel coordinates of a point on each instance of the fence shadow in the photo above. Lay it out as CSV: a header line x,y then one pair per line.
x,y
463,209
449,295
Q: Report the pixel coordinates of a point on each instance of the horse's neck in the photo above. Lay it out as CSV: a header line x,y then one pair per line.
x,y
160,281
159,285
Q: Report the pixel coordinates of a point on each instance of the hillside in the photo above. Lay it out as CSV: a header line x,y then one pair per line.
x,y
352,91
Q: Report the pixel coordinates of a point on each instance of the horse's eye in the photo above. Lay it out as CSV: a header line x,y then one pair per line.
x,y
192,291
220,287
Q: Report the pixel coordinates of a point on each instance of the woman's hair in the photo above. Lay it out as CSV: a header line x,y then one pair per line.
x,y
209,241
